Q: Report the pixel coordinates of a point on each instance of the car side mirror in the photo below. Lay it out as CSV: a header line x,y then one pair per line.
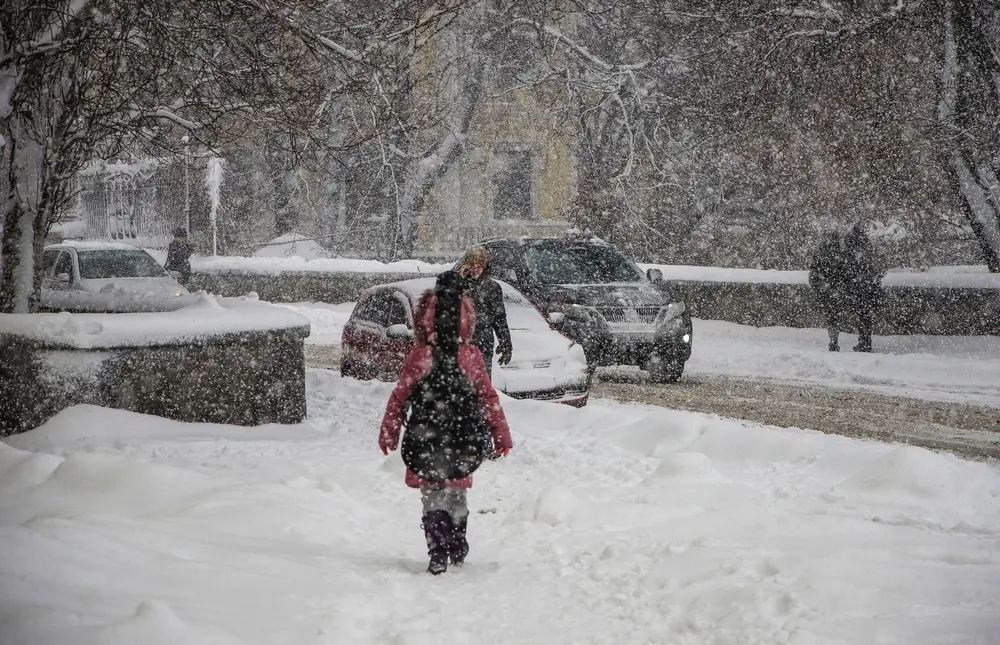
x,y
62,278
399,332
557,317
654,275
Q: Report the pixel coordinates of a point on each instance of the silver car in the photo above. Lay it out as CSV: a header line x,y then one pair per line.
x,y
105,267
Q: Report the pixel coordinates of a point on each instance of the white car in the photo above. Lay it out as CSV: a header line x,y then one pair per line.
x,y
103,267
545,365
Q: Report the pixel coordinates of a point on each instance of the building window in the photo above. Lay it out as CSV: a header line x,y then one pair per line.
x,y
514,186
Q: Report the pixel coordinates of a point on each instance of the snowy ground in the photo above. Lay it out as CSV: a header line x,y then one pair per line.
x,y
327,321
962,369
938,368
613,524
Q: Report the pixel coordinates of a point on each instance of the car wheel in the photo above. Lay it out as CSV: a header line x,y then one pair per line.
x,y
665,371
345,368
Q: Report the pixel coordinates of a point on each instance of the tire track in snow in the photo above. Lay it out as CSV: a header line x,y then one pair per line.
x,y
967,430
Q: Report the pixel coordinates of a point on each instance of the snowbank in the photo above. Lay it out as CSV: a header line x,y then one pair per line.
x,y
959,277
611,524
963,369
274,265
956,277
206,315
326,322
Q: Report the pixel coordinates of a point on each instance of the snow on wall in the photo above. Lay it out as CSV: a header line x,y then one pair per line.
x,y
208,316
955,277
960,277
274,265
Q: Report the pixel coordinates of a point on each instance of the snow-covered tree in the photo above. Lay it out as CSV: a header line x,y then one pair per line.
x,y
86,79
969,113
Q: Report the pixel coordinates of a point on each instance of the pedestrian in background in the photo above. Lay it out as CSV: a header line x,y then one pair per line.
x,y
846,274
828,280
864,267
179,255
487,299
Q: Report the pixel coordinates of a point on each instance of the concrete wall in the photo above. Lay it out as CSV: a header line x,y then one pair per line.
x,y
906,310
245,378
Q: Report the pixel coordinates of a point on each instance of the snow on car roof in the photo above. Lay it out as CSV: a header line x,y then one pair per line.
x,y
412,288
568,237
416,287
81,245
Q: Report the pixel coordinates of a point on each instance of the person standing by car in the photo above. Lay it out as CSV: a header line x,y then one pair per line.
x,y
179,255
487,298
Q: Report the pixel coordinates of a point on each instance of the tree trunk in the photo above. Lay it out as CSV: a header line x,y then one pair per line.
x,y
976,183
17,288
422,173
24,159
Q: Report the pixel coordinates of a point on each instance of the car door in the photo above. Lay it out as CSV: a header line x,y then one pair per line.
x,y
49,258
358,340
394,349
63,267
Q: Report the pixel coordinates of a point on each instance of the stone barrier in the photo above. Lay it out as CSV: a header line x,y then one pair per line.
x,y
234,374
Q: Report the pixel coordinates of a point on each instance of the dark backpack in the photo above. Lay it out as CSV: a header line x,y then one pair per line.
x,y
445,431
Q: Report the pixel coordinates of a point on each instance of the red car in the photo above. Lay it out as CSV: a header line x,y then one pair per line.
x,y
545,365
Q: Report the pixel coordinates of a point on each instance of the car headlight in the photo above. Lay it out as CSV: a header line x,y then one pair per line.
x,y
576,312
672,312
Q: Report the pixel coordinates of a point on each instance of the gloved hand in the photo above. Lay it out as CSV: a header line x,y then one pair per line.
x,y
505,355
385,445
500,452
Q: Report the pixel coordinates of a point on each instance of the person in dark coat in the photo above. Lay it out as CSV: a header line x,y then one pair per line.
x,y
487,299
829,282
846,275
179,255
863,268
445,509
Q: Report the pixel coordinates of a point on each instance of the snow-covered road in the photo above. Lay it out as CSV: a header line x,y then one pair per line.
x,y
937,368
960,369
613,524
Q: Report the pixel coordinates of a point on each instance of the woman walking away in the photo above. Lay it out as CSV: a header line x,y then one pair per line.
x,y
445,394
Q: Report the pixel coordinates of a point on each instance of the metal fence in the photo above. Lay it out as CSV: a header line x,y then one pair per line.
x,y
141,202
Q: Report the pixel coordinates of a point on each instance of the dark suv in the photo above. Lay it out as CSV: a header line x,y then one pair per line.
x,y
592,293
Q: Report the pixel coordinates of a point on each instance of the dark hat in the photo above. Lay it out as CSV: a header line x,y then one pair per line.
x,y
180,231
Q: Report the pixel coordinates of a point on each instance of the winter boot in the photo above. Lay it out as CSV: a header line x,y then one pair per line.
x,y
863,346
437,531
458,548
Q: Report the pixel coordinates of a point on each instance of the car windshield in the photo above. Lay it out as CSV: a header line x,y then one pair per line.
x,y
581,264
114,263
521,314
